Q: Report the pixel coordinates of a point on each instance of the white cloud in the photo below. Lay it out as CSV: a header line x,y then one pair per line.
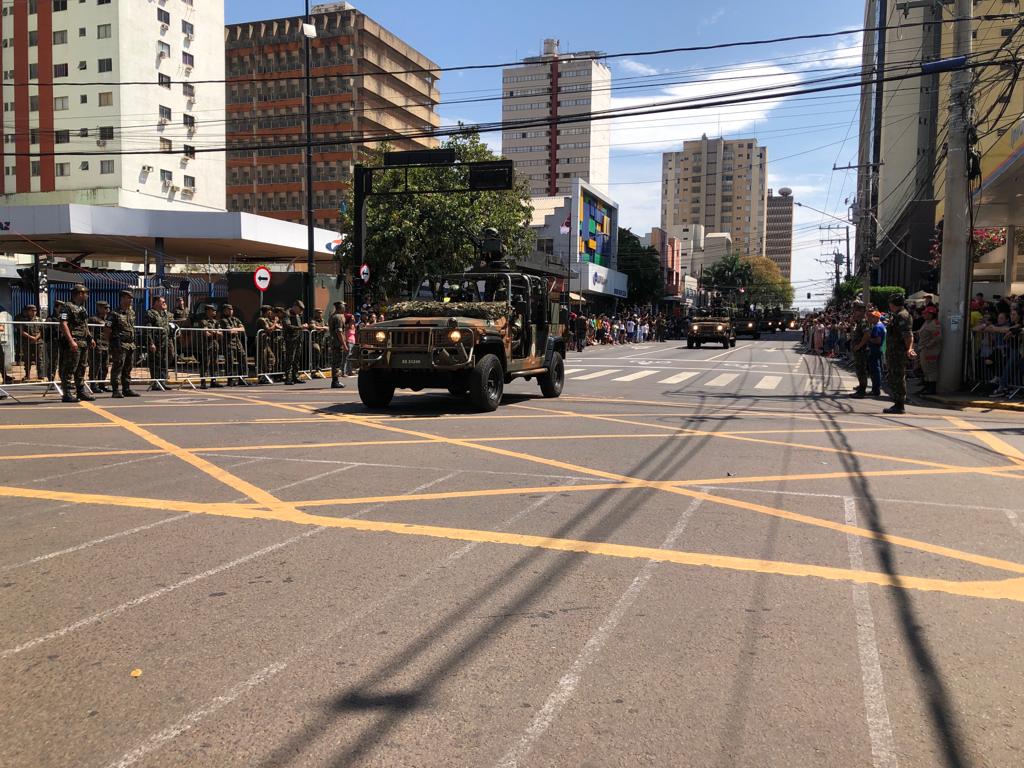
x,y
710,21
651,133
635,67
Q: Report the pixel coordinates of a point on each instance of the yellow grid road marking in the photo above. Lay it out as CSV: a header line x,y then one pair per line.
x,y
996,443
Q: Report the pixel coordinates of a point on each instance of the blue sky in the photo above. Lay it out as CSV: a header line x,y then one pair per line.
x,y
804,137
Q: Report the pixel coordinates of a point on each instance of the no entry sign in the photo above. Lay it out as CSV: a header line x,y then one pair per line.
x,y
364,273
262,278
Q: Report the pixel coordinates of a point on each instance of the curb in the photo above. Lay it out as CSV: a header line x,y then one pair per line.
x,y
993,405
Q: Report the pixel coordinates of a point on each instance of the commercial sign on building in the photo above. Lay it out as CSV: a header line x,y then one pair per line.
x,y
597,279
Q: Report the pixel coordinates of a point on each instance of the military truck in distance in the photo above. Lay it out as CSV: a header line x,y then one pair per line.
x,y
747,324
711,326
470,333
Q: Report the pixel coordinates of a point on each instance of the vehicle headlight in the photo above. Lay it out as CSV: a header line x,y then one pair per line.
x,y
696,327
380,337
750,325
721,328
455,336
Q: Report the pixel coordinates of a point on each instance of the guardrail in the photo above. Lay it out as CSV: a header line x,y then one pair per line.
x,y
995,359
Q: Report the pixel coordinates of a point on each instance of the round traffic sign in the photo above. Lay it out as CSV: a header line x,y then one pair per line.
x,y
262,278
364,273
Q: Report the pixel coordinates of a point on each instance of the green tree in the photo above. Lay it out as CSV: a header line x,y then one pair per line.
x,y
410,236
642,264
767,286
728,275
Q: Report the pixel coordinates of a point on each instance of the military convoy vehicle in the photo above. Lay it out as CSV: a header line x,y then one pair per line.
x,y
748,324
471,333
713,325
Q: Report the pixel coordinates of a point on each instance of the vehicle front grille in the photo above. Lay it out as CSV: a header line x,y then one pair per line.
x,y
417,338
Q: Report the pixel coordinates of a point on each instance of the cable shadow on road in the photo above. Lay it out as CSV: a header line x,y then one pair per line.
x,y
597,521
925,667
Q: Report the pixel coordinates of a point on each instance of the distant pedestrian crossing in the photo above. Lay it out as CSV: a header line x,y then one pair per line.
x,y
710,379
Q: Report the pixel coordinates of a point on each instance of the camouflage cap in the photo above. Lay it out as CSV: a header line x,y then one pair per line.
x,y
79,288
127,293
298,303
33,307
210,307
103,304
226,306
266,308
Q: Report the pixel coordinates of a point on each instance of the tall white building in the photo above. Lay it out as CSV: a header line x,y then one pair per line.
x,y
86,82
539,92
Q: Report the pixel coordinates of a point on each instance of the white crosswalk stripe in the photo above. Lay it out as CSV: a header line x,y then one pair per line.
x,y
679,378
722,381
597,374
571,371
769,382
637,376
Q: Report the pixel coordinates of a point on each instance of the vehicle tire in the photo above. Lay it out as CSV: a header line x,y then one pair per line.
x,y
375,388
552,381
487,384
732,343
457,390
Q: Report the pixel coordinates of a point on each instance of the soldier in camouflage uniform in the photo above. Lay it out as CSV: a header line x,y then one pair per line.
x,y
292,328
338,342
30,342
74,341
159,341
119,332
234,346
99,358
209,347
899,346
318,343
860,332
266,327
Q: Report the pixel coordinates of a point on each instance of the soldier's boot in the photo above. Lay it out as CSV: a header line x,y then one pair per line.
x,y
67,397
336,384
214,384
859,393
202,383
131,393
896,409
116,394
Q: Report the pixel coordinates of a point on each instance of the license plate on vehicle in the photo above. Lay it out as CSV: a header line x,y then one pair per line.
x,y
410,361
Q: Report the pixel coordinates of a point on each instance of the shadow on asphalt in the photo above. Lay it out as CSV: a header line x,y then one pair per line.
x,y
376,691
433,404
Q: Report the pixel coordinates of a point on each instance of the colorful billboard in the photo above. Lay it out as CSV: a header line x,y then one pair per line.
x,y
597,227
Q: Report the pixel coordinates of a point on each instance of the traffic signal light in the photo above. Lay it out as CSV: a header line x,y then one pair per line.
x,y
29,278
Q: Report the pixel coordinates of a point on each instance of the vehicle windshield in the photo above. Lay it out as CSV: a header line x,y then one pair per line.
x,y
465,288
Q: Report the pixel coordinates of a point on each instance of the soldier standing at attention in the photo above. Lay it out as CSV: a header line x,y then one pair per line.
x,y
180,314
159,321
266,325
75,339
860,332
292,328
119,332
209,347
99,358
31,342
339,343
899,346
234,347
318,342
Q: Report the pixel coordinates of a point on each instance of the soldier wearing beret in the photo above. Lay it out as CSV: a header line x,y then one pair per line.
x,y
75,339
234,346
119,332
99,358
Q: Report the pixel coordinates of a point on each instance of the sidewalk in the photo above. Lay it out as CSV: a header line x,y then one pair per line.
x,y
976,400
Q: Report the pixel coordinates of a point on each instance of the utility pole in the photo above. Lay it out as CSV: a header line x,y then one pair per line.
x,y
830,228
308,33
955,278
876,147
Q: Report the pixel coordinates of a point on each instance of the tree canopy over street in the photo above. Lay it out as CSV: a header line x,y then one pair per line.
x,y
756,280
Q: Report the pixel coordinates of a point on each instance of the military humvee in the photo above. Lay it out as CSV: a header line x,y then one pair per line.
x,y
470,333
711,325
748,324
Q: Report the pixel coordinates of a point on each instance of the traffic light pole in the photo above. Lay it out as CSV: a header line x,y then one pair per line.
x,y
954,283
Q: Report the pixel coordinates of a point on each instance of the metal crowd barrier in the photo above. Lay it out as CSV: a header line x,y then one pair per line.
x,y
210,355
271,355
995,359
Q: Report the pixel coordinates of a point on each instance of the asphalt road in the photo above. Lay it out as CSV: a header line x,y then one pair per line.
x,y
693,558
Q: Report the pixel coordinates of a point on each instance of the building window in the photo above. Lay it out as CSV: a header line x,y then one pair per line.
x,y
60,104
61,137
165,145
163,16
33,103
33,71
103,2
106,132
82,32
164,81
189,151
60,70
163,49
166,176
33,135
82,65
33,6
60,37
189,121
189,90
190,182
187,28
103,31
106,98
188,59
34,167
84,165
165,113
106,166
106,65
63,169
60,5
83,99
33,38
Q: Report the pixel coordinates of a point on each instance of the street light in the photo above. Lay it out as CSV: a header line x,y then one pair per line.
x,y
308,34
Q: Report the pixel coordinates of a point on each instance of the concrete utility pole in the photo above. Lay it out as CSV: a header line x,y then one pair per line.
x,y
955,278
863,167
876,147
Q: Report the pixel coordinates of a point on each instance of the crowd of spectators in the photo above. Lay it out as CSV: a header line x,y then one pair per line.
x,y
631,326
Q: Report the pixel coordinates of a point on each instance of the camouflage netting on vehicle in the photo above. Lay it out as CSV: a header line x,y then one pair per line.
x,y
480,310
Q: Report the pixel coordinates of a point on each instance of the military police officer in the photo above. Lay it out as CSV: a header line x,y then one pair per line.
x,y
234,346
159,341
119,332
859,335
899,346
292,328
74,340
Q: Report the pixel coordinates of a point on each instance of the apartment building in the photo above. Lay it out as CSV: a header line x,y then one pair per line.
x,y
670,250
538,94
721,185
110,102
778,239
367,83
